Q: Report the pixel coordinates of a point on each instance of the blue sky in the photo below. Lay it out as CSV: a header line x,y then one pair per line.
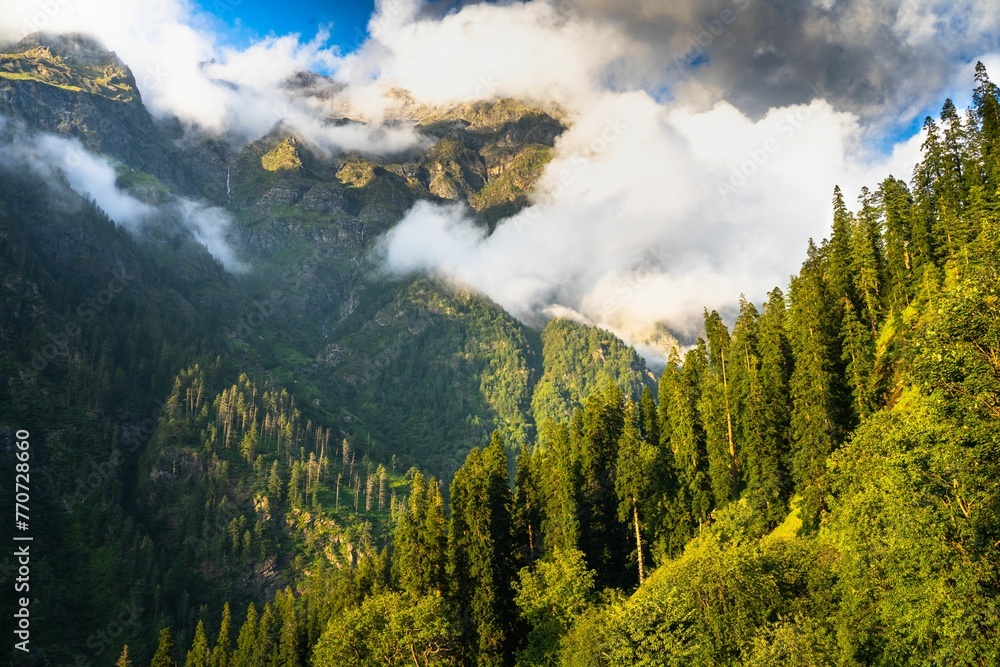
x,y
243,21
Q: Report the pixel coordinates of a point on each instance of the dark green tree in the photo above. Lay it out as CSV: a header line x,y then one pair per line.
x,y
559,478
221,652
603,538
420,539
482,556
528,506
633,478
715,408
247,650
816,426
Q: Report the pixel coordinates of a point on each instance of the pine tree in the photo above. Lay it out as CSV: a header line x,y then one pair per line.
x,y
816,424
198,655
420,539
772,450
246,644
866,261
649,420
603,538
222,648
288,634
164,656
715,407
932,214
124,660
680,423
903,253
265,644
527,506
859,354
987,112
560,479
633,485
482,559
839,255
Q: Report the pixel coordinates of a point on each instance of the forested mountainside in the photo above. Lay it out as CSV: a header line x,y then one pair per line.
x,y
373,471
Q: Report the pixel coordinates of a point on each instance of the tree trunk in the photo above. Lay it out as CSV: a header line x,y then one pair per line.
x,y
638,540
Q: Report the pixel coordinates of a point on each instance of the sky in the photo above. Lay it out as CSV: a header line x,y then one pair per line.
x,y
704,137
241,22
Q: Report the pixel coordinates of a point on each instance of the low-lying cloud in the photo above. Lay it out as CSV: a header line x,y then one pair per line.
x,y
705,136
184,70
92,176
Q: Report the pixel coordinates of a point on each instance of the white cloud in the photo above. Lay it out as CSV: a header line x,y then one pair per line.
x,y
94,177
649,213
182,69
676,186
210,227
87,174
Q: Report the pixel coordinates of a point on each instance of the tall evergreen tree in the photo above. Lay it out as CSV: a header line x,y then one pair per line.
x,y
198,655
770,468
164,655
715,407
813,326
527,506
633,482
649,419
603,538
867,267
839,255
859,355
420,539
222,649
266,642
288,653
560,479
903,250
481,554
247,651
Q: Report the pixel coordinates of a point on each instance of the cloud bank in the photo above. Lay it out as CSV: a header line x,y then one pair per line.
x,y
705,136
185,70
705,139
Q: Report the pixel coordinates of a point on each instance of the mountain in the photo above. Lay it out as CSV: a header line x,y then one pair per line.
x,y
133,355
249,445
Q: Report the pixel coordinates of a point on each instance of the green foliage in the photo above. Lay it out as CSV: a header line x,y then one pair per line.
x,y
917,582
198,655
550,598
481,554
391,630
579,360
164,655
420,540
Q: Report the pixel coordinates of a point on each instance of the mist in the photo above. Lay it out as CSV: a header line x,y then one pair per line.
x,y
93,176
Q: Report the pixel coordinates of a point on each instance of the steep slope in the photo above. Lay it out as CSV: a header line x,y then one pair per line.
x,y
579,360
243,432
